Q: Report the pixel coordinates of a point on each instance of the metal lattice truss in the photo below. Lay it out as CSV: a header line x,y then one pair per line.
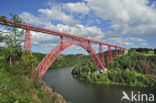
x,y
64,44
98,59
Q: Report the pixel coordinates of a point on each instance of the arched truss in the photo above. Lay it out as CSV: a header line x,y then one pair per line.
x,y
64,44
98,59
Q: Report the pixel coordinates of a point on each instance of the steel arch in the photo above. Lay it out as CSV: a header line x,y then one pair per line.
x,y
54,53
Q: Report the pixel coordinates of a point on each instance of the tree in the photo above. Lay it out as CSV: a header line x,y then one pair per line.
x,y
155,51
12,37
1,38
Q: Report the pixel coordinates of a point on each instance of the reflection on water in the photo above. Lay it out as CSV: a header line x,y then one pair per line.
x,y
76,91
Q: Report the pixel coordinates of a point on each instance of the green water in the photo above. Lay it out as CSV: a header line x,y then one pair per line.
x,y
75,91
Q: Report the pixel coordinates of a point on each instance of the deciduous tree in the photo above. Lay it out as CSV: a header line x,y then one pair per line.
x,y
13,38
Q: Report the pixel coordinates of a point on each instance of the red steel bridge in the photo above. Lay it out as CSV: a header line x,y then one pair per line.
x,y
98,59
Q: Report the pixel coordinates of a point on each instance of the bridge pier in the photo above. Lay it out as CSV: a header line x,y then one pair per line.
x,y
99,61
62,39
27,42
109,57
121,52
101,54
115,53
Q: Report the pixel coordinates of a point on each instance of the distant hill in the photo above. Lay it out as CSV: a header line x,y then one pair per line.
x,y
64,60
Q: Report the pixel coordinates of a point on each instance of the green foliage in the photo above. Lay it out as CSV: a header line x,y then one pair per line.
x,y
142,50
16,18
29,63
131,78
68,60
129,69
16,82
12,89
36,84
2,17
54,99
116,76
155,51
40,94
12,37
134,60
1,38
2,61
17,85
64,61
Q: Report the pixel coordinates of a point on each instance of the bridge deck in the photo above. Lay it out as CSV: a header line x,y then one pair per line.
x,y
52,32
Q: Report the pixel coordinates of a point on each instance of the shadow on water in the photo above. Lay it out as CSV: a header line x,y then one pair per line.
x,y
76,91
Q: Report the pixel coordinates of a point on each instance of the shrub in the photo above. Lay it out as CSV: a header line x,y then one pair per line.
x,y
40,94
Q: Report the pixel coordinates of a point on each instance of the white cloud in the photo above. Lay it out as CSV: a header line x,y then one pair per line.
x,y
42,39
153,4
127,16
92,32
79,7
29,18
145,44
135,39
56,13
123,18
127,41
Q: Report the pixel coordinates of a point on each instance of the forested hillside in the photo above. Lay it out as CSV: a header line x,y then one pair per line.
x,y
64,60
134,68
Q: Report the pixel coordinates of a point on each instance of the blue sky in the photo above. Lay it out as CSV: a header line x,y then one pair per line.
x,y
128,23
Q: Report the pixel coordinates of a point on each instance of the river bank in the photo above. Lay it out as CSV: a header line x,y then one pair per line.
x,y
131,69
75,91
55,97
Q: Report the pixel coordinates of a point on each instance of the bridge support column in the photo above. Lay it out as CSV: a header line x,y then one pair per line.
x,y
92,55
115,53
101,54
62,39
27,41
121,51
109,57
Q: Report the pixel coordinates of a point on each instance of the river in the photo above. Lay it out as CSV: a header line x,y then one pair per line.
x,y
76,91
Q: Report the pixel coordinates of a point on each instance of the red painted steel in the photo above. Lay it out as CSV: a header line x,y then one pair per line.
x,y
98,61
115,53
53,32
64,44
121,51
101,54
27,42
109,57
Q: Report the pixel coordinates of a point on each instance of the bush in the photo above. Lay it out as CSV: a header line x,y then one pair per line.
x,y
40,94
36,84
